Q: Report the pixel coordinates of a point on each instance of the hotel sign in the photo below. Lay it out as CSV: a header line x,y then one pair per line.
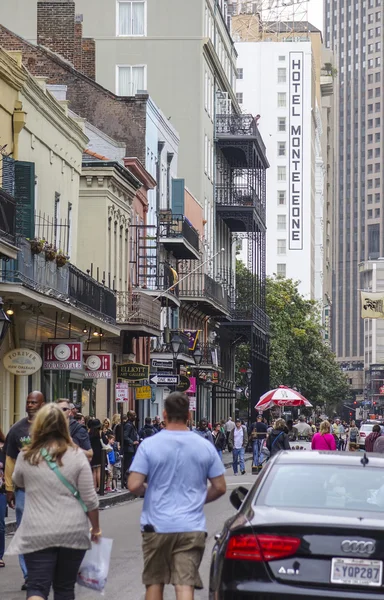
x,y
296,107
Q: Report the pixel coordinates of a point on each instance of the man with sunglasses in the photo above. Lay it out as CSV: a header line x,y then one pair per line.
x,y
78,433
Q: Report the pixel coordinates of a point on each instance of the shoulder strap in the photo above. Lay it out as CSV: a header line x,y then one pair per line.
x,y
52,465
276,438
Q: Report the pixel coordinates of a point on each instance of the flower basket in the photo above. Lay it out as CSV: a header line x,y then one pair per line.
x,y
61,260
37,246
50,255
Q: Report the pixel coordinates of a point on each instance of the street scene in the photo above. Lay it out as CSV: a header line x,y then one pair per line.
x,y
191,297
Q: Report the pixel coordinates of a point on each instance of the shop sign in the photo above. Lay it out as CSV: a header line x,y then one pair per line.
x,y
133,371
64,356
192,385
98,365
184,384
144,392
121,392
22,361
192,402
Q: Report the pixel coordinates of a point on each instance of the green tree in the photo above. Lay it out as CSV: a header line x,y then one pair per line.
x,y
298,355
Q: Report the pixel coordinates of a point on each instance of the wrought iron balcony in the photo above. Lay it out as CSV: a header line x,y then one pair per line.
x,y
201,290
7,225
138,312
66,283
163,350
178,236
248,313
239,126
211,356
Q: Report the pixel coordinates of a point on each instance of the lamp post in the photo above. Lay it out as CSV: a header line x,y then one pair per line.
x,y
197,357
248,375
5,322
176,342
209,384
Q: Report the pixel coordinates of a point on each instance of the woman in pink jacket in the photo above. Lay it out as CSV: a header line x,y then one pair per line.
x,y
324,440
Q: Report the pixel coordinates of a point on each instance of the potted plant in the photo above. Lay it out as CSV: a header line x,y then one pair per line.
x,y
37,245
50,252
61,258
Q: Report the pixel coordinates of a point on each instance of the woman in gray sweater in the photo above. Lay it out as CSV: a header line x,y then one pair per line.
x,y
54,532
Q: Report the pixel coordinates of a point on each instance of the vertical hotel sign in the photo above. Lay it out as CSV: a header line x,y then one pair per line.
x,y
296,107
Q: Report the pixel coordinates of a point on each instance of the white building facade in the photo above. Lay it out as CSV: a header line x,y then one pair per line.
x,y
276,81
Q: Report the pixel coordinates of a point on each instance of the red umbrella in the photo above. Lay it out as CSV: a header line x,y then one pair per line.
x,y
281,396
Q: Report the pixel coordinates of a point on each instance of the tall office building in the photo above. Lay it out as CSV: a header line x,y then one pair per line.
x,y
353,30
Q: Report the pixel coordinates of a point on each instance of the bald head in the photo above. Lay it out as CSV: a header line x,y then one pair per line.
x,y
35,401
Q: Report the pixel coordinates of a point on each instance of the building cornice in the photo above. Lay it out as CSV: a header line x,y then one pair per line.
x,y
112,169
10,72
138,169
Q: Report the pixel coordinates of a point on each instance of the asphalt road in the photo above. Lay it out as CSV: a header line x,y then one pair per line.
x,y
121,523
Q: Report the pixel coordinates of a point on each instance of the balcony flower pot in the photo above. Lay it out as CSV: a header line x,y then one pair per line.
x,y
37,246
61,259
50,255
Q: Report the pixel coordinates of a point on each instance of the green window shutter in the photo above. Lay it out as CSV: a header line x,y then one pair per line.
x,y
25,198
178,190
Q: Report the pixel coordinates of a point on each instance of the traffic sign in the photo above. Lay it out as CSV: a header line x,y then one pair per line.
x,y
162,363
121,392
164,379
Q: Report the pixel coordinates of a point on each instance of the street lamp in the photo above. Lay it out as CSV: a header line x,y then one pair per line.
x,y
176,342
198,356
4,322
249,374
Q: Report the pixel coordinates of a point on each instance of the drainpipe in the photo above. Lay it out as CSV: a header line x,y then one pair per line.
x,y
19,121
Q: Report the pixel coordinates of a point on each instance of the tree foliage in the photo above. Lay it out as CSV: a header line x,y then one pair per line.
x,y
298,355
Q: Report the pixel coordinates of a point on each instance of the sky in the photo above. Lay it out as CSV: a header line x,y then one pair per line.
x,y
315,13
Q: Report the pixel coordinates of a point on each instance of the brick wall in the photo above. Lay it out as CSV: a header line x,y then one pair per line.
x,y
56,27
88,53
122,118
78,44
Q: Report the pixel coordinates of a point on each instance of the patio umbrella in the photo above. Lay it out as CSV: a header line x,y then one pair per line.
x,y
282,396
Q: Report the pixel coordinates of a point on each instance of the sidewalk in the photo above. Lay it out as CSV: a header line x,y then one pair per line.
x,y
113,498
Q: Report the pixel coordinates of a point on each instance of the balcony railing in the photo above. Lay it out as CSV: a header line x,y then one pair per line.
x,y
238,126
202,288
211,355
7,217
176,229
137,308
67,283
250,312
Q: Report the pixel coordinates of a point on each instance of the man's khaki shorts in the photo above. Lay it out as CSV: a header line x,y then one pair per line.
x,y
173,558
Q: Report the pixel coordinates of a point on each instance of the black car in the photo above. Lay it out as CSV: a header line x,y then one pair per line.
x,y
312,526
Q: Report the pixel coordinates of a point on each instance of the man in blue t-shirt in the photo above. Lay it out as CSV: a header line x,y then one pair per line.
x,y
172,469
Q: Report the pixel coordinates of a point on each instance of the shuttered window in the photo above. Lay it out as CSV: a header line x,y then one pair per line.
x,y
178,191
25,198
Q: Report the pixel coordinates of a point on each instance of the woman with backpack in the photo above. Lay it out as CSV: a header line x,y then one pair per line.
x,y
278,438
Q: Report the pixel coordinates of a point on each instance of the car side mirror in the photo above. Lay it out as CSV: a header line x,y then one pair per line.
x,y
237,497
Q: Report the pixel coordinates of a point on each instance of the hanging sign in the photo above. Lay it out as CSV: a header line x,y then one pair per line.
x,y
98,365
193,336
133,371
121,392
184,384
296,140
372,305
192,403
22,361
144,392
65,356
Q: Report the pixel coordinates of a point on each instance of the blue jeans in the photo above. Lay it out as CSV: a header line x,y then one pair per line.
x,y
220,453
238,454
56,567
257,444
20,501
3,508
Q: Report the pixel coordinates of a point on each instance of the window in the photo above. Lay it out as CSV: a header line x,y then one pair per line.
x,y
281,270
281,247
369,198
282,222
281,173
131,18
281,124
206,154
377,77
282,58
281,75
240,73
282,99
377,182
377,197
130,80
281,148
377,213
239,97
281,198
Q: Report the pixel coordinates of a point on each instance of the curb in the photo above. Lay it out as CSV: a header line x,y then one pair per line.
x,y
108,501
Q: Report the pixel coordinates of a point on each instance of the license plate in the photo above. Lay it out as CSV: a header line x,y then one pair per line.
x,y
356,571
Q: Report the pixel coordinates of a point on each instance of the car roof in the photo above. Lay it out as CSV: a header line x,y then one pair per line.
x,y
349,459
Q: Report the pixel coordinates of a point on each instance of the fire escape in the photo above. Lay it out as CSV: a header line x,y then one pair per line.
x,y
240,199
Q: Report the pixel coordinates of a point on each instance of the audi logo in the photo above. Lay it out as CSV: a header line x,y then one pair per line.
x,y
358,547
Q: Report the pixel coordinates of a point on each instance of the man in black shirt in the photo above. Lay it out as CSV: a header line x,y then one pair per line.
x,y
258,434
18,437
78,433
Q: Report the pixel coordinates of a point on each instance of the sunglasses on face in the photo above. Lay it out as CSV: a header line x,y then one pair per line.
x,y
64,409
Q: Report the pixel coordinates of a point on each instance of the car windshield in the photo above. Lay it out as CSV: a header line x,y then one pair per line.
x,y
324,486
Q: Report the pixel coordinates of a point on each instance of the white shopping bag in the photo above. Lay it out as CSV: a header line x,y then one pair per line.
x,y
94,569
